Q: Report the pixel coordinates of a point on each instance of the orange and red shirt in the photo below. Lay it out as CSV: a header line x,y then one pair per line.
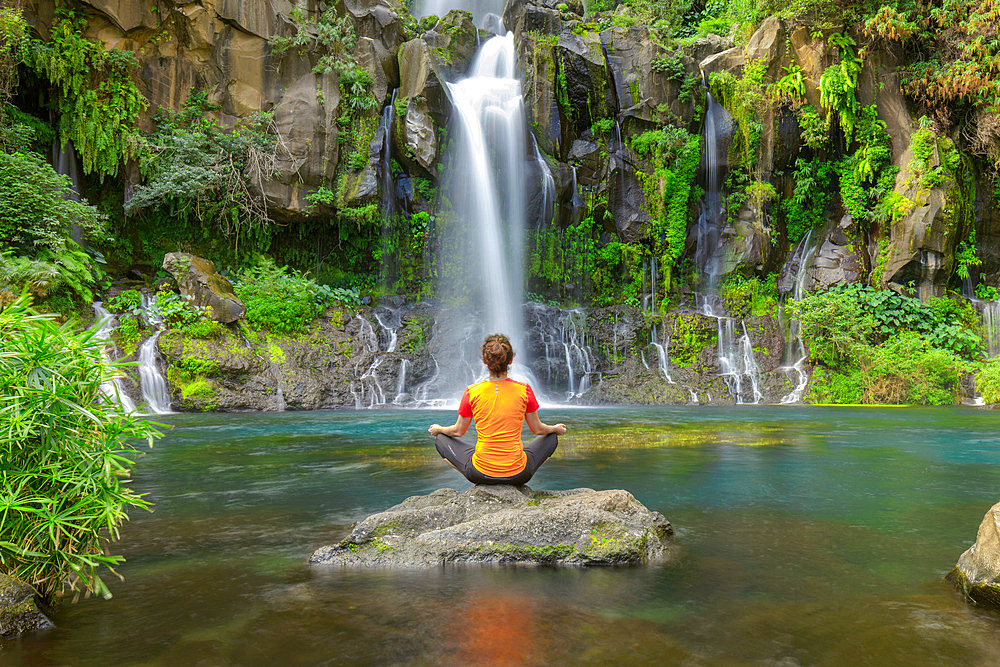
x,y
498,408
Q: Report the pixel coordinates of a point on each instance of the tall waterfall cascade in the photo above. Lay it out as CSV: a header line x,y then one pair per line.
x,y
498,186
113,389
737,364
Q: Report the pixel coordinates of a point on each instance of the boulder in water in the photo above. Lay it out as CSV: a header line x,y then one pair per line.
x,y
203,286
19,612
505,524
977,573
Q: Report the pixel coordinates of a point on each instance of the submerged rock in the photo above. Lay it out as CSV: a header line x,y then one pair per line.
x,y
977,573
19,612
505,524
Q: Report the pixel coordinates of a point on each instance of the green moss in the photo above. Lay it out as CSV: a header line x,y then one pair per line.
x,y
275,353
691,336
528,552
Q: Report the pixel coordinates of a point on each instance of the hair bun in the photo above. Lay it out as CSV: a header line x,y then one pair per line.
x,y
497,353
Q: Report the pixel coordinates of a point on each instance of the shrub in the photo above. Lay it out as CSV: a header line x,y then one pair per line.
x,y
37,209
833,327
277,299
203,328
988,381
128,301
754,295
907,369
64,454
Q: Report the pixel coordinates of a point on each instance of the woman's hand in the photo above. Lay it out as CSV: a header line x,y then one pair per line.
x,y
456,430
559,429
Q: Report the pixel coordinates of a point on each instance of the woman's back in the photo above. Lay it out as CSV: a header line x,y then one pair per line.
x,y
498,408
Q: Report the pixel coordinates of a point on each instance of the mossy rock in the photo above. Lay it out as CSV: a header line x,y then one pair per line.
x,y
505,525
19,612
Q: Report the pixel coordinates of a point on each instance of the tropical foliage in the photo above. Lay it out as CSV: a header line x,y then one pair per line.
x,y
65,454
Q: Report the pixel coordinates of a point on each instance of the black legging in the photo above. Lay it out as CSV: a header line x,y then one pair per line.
x,y
459,453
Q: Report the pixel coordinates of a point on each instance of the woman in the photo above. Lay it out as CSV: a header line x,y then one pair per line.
x,y
499,406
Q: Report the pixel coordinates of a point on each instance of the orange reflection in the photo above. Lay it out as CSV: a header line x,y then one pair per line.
x,y
498,630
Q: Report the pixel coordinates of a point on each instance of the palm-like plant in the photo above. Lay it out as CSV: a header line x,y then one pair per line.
x,y
64,454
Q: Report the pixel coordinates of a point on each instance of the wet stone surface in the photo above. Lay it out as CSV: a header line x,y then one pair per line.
x,y
505,524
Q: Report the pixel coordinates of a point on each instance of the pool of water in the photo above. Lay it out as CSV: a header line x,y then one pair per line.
x,y
804,536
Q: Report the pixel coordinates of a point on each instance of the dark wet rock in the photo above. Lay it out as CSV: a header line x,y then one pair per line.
x,y
923,242
587,93
835,261
453,42
709,45
204,287
505,524
627,200
422,96
644,95
19,612
977,572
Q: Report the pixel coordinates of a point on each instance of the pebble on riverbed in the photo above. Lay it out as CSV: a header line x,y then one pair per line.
x,y
977,573
505,524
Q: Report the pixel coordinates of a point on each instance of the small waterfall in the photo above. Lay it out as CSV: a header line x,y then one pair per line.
x,y
561,335
401,382
366,389
990,313
390,319
151,382
795,348
154,387
737,363
65,163
113,389
662,356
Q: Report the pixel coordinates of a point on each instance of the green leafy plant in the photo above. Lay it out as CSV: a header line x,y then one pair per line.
x,y
806,208
198,171
65,453
97,100
38,207
986,292
277,299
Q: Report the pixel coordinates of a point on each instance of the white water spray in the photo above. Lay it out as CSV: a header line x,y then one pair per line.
x,y
113,389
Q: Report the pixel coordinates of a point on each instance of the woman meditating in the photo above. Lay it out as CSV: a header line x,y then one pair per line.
x,y
499,406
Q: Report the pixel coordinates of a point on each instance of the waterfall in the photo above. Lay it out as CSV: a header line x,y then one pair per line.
x,y
367,390
153,386
490,166
709,227
401,382
662,357
737,364
795,348
113,389
561,335
151,382
990,313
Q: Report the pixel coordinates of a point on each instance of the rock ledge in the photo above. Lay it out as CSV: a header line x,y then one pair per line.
x,y
505,524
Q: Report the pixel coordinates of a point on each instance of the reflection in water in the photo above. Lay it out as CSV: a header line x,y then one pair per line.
x,y
827,546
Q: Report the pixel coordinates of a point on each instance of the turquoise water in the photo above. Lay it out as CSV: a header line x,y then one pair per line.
x,y
804,536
